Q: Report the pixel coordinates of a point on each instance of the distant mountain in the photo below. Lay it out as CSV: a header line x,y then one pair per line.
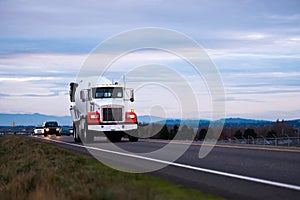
x,y
295,123
32,119
147,119
241,121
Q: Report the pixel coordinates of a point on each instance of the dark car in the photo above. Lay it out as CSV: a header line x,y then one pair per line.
x,y
66,130
51,128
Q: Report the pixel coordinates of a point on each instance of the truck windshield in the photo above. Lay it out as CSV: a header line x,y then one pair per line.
x,y
107,92
51,124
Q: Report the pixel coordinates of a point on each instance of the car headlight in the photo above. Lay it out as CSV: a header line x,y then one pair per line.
x,y
47,129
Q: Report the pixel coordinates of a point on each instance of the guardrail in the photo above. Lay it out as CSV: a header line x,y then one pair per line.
x,y
15,132
270,141
29,130
274,141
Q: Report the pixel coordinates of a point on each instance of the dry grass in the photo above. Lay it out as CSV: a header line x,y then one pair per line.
x,y
31,169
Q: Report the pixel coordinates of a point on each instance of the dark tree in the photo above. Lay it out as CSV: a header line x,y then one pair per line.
x,y
173,132
238,134
186,133
201,134
250,132
271,134
164,133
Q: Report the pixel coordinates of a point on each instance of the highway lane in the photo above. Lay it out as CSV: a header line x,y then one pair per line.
x,y
272,165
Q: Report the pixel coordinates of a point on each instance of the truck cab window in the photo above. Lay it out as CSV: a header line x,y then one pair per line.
x,y
107,92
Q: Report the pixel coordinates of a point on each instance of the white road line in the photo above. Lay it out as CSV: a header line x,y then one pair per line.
x,y
247,178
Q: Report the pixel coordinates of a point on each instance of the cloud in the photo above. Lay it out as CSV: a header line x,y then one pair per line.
x,y
50,105
265,91
254,44
297,39
256,55
103,18
280,105
25,76
41,65
285,18
25,79
235,99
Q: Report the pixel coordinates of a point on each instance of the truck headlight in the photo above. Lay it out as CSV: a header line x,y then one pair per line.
x,y
47,129
95,116
131,116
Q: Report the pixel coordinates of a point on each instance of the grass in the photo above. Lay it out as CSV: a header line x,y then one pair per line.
x,y
31,169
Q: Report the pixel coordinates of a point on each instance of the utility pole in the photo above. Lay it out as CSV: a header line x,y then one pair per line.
x,y
298,135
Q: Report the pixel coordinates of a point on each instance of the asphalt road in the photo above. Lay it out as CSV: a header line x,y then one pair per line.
x,y
230,171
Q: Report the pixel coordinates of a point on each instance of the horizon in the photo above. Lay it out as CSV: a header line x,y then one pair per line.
x,y
255,46
242,118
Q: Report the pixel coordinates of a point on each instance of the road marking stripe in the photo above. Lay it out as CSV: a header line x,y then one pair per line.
x,y
227,146
257,180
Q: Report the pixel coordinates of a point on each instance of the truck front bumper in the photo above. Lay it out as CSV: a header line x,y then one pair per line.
x,y
113,127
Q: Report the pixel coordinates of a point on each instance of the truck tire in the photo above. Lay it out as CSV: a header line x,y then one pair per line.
x,y
76,133
133,136
86,136
114,136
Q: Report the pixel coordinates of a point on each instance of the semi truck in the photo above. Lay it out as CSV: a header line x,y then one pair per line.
x,y
102,108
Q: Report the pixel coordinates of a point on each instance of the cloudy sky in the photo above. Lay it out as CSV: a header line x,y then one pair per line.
x,y
255,45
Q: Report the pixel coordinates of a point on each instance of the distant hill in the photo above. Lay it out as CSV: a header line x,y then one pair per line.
x,y
295,123
202,122
32,119
149,119
169,121
241,121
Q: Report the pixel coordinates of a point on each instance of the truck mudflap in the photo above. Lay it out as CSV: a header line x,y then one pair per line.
x,y
113,127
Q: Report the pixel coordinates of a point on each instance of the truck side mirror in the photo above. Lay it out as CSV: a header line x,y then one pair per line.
x,y
72,91
131,95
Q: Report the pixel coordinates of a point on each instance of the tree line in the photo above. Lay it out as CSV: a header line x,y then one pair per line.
x,y
185,132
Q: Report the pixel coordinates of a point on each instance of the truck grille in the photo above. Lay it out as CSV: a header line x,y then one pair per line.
x,y
112,114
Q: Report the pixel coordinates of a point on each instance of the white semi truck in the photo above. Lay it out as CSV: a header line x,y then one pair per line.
x,y
103,108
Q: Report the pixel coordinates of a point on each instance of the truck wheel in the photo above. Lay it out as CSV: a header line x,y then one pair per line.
x,y
114,137
117,138
87,135
132,138
76,133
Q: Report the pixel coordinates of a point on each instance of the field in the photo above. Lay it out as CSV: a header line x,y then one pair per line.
x,y
31,169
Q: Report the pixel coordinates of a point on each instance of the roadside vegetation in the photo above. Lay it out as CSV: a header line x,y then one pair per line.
x,y
32,169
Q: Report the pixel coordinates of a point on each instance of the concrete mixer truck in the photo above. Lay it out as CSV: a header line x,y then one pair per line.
x,y
102,108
